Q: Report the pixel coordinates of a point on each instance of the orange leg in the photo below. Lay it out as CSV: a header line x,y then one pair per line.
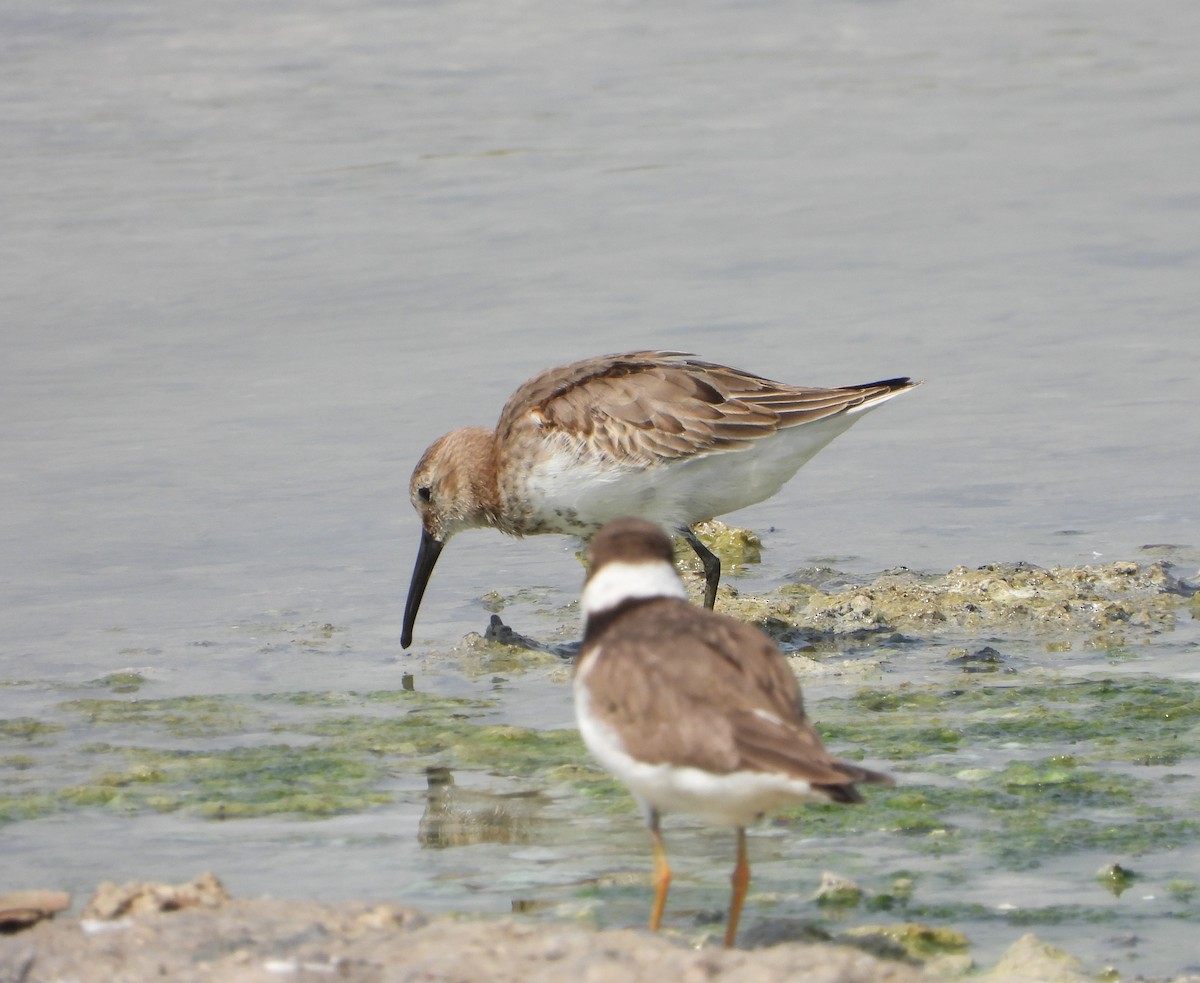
x,y
662,873
741,881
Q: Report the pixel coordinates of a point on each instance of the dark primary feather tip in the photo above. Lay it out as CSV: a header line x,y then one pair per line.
x,y
900,382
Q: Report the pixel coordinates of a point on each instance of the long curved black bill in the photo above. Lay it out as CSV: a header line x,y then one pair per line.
x,y
427,555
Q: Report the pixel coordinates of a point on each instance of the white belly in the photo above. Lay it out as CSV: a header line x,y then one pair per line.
x,y
735,799
578,494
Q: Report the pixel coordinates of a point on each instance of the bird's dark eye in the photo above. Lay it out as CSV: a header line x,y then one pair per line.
x,y
423,493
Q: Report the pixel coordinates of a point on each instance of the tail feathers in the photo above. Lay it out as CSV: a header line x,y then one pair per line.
x,y
854,773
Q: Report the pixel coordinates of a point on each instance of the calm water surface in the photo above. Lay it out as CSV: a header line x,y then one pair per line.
x,y
255,258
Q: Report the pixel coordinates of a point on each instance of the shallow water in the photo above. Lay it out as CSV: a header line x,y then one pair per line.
x,y
255,259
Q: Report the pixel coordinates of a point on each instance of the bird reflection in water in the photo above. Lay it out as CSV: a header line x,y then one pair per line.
x,y
461,817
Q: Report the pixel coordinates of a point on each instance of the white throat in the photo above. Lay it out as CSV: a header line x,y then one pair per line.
x,y
616,582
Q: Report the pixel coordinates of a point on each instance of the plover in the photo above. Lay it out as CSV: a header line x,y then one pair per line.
x,y
694,711
658,435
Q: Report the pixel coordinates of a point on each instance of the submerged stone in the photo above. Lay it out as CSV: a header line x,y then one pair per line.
x,y
918,941
1116,879
838,892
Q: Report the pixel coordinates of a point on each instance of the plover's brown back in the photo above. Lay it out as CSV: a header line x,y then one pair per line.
x,y
694,711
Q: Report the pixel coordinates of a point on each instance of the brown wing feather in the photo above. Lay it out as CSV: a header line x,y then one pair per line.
x,y
675,695
648,406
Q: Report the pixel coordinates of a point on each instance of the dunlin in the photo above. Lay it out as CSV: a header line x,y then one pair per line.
x,y
659,435
694,711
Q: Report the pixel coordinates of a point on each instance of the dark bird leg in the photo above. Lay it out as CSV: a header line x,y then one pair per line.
x,y
712,566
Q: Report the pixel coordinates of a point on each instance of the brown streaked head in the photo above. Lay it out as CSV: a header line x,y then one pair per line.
x,y
453,487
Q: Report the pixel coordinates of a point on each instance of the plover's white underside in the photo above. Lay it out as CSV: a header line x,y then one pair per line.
x,y
694,711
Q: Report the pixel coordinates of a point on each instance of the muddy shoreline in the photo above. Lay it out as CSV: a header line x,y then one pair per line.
x,y
196,933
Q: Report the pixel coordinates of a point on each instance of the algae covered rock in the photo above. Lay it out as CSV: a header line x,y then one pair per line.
x,y
838,892
1031,960
1096,598
1116,879
734,545
921,942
